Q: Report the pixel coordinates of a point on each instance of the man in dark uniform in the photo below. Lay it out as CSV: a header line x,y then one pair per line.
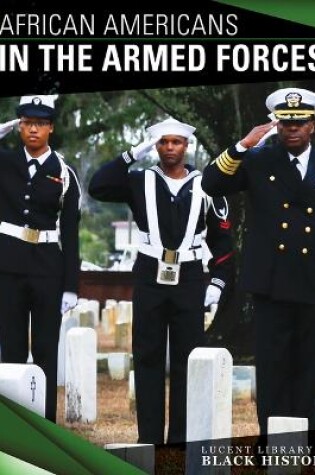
x,y
169,290
279,254
39,257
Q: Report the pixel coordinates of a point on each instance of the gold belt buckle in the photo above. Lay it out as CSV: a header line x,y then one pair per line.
x,y
170,256
30,235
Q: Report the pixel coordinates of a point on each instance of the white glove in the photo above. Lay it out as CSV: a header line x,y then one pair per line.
x,y
140,151
7,127
268,134
69,301
213,294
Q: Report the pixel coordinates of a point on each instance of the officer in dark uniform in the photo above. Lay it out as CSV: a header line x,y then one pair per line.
x,y
169,291
39,257
279,254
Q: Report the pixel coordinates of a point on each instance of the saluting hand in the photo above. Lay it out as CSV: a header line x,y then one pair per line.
x,y
256,134
7,127
141,150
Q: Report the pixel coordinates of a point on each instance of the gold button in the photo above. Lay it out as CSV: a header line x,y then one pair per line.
x,y
286,205
307,229
309,210
281,247
285,225
272,178
304,250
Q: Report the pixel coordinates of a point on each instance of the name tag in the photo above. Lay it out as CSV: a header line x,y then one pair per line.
x,y
168,273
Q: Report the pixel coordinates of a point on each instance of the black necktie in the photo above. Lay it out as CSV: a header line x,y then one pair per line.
x,y
296,162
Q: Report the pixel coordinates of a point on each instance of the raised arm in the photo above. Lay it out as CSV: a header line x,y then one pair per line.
x,y
111,182
226,175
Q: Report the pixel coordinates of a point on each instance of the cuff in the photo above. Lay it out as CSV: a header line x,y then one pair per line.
x,y
239,147
218,283
229,161
128,158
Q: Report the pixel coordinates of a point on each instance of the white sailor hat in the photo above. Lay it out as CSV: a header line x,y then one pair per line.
x,y
292,103
171,127
37,106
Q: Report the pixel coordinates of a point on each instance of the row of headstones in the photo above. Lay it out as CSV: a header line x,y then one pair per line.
x,y
80,375
116,322
113,313
209,391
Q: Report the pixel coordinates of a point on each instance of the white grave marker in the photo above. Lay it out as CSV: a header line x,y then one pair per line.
x,y
80,375
24,384
68,321
209,407
118,365
288,436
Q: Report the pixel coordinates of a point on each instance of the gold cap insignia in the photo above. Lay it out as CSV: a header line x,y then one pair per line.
x,y
293,99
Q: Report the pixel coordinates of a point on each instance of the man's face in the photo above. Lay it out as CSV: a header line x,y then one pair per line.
x,y
171,149
35,132
295,135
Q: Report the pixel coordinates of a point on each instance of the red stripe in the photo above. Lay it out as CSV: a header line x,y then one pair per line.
x,y
223,258
225,224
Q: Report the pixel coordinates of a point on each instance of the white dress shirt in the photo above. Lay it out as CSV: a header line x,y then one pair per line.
x,y
41,159
303,161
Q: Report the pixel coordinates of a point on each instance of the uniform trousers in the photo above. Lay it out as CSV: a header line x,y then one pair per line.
x,y
159,310
285,355
41,296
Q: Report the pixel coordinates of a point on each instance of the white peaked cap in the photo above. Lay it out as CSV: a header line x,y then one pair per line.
x,y
292,103
171,127
37,106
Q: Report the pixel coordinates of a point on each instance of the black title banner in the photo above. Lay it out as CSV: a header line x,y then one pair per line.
x,y
103,49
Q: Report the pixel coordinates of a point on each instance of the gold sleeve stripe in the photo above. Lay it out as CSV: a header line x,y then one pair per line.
x,y
233,165
229,158
224,169
227,167
227,164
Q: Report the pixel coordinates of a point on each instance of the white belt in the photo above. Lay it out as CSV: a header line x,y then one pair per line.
x,y
145,238
171,256
34,236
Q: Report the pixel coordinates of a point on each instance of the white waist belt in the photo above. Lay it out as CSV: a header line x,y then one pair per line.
x,y
169,256
145,238
34,236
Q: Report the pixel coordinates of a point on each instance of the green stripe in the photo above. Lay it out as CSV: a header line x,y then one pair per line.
x,y
33,439
12,466
302,12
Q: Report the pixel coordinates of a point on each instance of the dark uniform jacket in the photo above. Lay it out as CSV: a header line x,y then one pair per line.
x,y
114,182
35,203
279,254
